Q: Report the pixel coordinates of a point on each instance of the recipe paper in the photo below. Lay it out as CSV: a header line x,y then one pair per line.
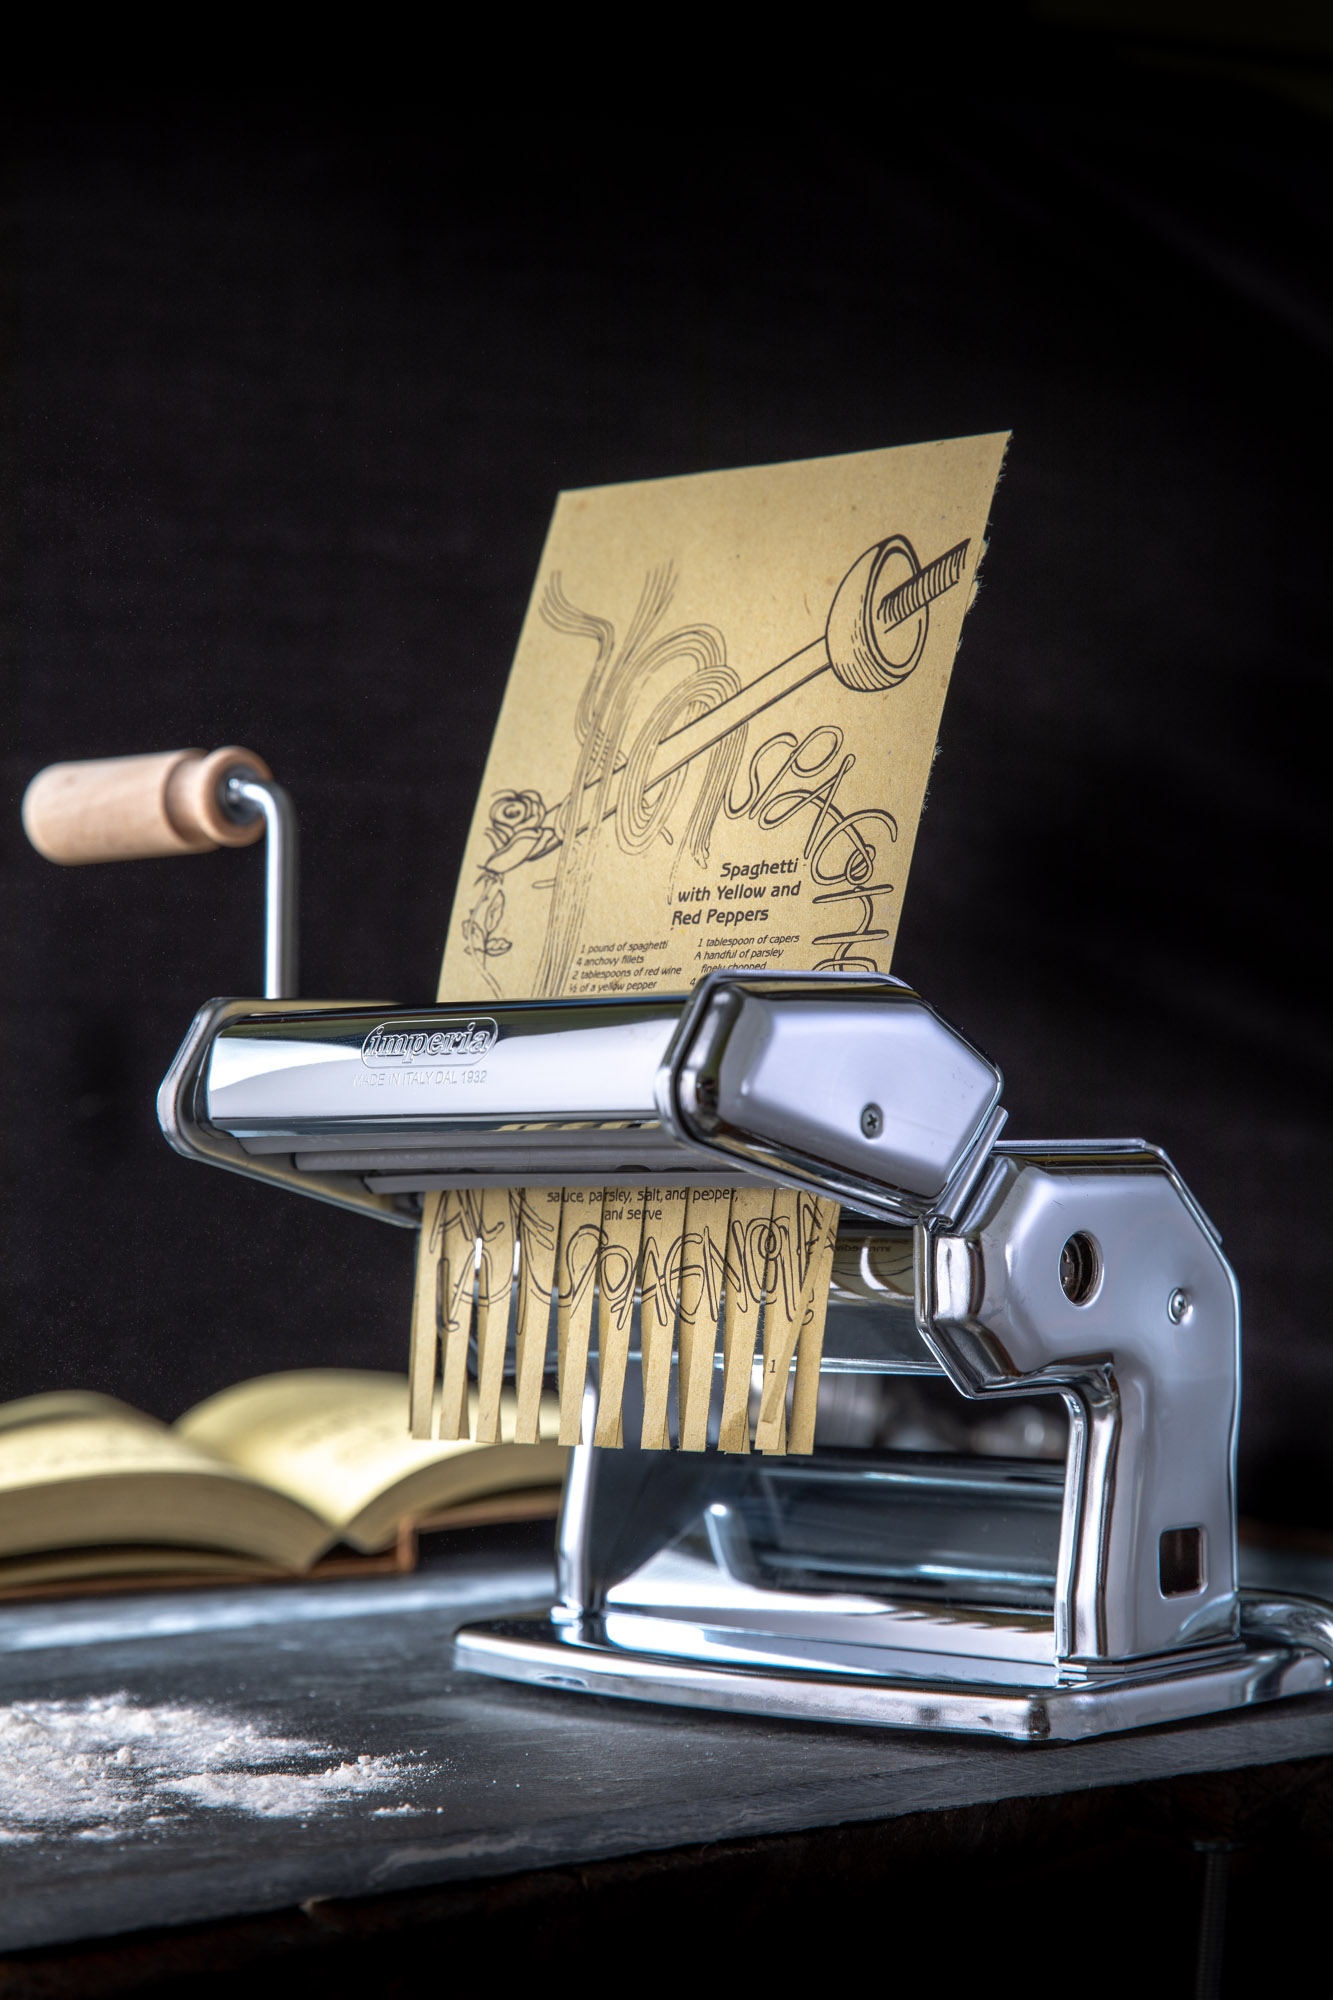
x,y
712,753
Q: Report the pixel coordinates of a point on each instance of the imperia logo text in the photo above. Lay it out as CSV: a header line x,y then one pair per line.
x,y
400,1044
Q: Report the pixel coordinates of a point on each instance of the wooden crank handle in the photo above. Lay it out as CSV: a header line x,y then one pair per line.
x,y
130,808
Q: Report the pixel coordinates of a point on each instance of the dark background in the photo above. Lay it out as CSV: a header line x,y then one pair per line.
x,y
293,375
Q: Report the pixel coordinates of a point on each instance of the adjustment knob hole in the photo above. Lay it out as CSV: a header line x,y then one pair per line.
x,y
1080,1269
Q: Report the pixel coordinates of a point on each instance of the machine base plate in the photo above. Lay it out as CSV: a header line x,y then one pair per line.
x,y
543,1654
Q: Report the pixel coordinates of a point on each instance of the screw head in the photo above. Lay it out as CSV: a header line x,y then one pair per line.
x,y
872,1121
1177,1305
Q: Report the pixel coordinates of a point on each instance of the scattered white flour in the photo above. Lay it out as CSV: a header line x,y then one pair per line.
x,y
104,1765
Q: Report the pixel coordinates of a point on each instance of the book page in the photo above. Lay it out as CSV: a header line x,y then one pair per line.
x,y
129,1565
61,1405
119,1476
713,754
336,1439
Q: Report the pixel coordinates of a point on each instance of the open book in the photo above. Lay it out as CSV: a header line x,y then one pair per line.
x,y
261,1480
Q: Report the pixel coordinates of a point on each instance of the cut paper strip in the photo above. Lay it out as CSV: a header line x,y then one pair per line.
x,y
659,1282
576,1282
538,1225
748,1255
427,1318
810,1346
701,1265
783,1311
495,1285
617,1280
459,1234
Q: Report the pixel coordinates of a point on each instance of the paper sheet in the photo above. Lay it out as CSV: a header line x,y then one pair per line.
x,y
713,752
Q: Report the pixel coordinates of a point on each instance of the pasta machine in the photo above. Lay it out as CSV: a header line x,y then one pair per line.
x,y
869,1581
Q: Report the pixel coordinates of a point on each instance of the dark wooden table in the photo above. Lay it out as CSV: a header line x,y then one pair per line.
x,y
485,1804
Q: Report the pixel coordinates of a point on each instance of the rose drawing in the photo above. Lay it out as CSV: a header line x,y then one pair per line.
x,y
519,831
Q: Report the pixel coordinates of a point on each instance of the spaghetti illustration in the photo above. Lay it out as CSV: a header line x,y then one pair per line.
x,y
636,780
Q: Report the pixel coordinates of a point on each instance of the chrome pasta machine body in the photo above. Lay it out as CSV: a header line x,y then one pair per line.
x,y
865,1583
850,1087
